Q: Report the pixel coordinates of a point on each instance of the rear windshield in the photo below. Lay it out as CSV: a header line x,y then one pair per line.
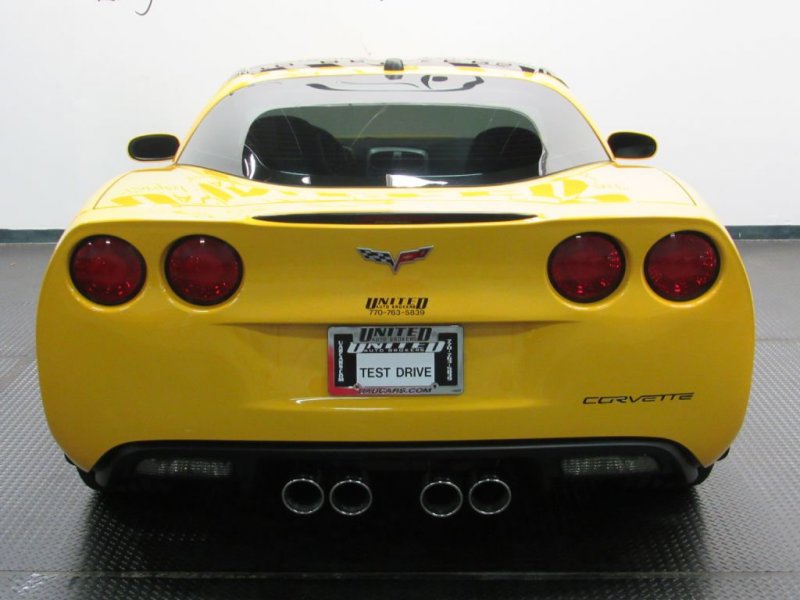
x,y
393,131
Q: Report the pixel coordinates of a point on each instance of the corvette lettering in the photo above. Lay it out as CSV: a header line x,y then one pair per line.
x,y
637,399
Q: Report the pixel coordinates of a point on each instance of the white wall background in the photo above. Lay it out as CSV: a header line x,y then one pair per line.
x,y
715,81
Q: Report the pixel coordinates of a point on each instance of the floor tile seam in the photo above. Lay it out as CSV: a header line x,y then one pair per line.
x,y
399,575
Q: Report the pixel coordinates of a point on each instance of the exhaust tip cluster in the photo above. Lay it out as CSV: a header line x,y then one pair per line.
x,y
304,495
440,496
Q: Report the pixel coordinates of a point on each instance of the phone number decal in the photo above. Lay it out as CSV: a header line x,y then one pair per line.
x,y
401,306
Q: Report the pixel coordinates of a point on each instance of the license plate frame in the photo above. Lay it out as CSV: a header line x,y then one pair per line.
x,y
396,360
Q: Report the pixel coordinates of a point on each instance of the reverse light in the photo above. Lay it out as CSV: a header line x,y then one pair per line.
x,y
203,270
682,266
107,270
185,467
588,466
586,267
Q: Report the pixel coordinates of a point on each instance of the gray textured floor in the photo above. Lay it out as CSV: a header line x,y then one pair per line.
x,y
737,536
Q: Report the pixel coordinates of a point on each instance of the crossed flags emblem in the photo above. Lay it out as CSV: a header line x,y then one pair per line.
x,y
385,258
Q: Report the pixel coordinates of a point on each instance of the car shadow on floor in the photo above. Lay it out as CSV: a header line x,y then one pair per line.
x,y
587,528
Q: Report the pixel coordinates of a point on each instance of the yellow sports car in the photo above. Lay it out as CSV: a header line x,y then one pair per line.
x,y
437,269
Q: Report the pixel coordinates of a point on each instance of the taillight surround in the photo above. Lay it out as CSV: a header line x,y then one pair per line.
x,y
677,282
107,270
203,270
601,254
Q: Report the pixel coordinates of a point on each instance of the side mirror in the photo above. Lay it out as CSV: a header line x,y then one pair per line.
x,y
627,144
155,146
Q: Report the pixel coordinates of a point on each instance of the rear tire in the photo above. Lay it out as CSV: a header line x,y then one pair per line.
x,y
88,479
702,475
665,483
682,486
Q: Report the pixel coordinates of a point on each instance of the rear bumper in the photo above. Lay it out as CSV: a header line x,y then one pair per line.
x,y
545,460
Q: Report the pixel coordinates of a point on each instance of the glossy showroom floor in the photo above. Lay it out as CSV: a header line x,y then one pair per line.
x,y
736,536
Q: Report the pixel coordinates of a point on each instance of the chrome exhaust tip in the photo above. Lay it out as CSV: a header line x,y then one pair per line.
x,y
351,496
441,497
303,495
489,495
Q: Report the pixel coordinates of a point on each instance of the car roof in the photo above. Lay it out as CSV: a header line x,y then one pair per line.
x,y
395,65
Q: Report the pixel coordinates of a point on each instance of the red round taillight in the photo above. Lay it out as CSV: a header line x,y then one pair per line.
x,y
203,270
586,267
682,266
107,270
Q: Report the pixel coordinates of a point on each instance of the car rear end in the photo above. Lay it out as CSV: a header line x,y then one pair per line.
x,y
532,365
293,321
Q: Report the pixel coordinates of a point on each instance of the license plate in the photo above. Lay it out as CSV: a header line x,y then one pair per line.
x,y
396,361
